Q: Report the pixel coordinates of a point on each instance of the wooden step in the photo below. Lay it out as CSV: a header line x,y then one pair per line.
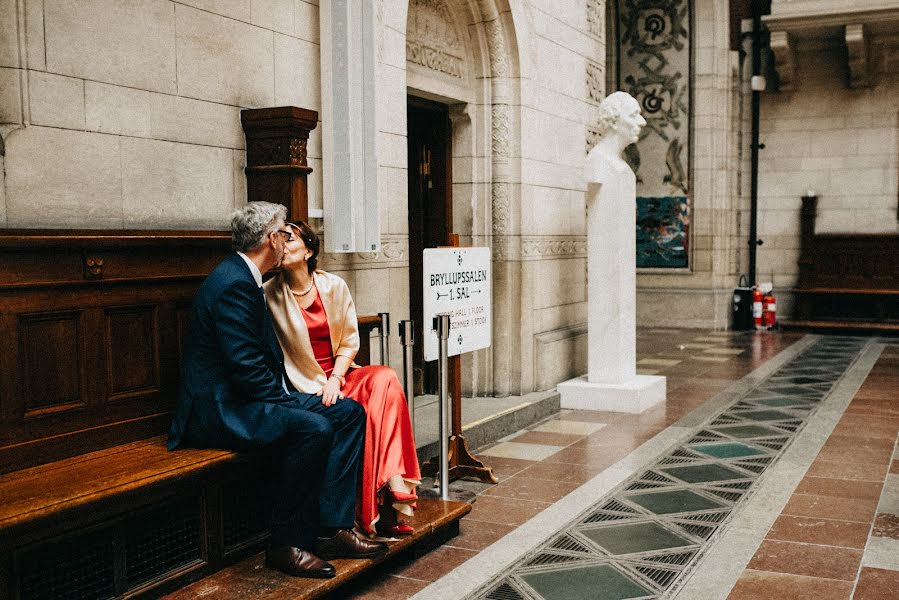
x,y
435,521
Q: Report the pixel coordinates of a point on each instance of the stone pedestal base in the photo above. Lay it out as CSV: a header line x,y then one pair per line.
x,y
633,396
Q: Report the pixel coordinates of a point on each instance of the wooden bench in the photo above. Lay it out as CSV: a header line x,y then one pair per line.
x,y
846,281
91,503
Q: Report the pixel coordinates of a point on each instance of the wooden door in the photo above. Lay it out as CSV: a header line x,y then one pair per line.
x,y
430,211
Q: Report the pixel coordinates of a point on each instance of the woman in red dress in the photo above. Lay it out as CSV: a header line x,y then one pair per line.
x,y
315,320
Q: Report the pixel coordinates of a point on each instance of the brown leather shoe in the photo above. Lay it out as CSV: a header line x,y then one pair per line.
x,y
297,562
346,544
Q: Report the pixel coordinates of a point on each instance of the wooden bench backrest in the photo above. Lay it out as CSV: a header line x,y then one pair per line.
x,y
91,325
846,261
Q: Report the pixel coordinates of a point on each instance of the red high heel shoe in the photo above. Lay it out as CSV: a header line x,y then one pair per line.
x,y
389,526
395,530
401,496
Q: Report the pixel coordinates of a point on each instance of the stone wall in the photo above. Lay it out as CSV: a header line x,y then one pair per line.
x,y
126,114
840,143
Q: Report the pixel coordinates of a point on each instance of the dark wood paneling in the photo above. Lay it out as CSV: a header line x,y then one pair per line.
x,y
91,358
93,323
132,343
50,361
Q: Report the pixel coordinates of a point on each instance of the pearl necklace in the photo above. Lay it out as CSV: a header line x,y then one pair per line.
x,y
304,292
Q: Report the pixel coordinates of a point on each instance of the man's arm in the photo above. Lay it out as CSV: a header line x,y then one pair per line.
x,y
243,347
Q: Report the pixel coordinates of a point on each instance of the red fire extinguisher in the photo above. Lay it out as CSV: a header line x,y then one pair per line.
x,y
769,310
757,307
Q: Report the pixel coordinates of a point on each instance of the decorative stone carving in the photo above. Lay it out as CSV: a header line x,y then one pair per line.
x,y
501,131
506,248
784,60
435,59
501,194
596,82
432,41
496,44
488,9
857,56
865,27
394,253
595,17
553,247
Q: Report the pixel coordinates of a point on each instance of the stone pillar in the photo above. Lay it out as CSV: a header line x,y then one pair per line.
x,y
276,156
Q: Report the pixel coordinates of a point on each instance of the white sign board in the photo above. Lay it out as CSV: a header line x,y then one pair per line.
x,y
458,281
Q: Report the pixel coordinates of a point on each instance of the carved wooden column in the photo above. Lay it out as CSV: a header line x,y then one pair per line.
x,y
276,156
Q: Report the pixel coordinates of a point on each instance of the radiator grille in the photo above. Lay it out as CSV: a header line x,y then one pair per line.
x,y
161,541
74,569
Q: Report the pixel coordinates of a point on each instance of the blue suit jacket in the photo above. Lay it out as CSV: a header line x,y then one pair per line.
x,y
232,369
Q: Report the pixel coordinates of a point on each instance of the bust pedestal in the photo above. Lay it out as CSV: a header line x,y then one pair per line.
x,y
611,382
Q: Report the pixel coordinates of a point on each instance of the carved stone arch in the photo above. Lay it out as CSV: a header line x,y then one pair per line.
x,y
477,39
440,61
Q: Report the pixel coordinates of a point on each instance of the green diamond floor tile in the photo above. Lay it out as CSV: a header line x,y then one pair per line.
x,y
629,538
728,450
677,501
748,431
599,582
784,401
766,415
704,473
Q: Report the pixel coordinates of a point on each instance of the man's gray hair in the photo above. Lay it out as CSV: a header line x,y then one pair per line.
x,y
252,223
612,108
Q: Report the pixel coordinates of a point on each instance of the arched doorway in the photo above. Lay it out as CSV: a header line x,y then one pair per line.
x,y
462,70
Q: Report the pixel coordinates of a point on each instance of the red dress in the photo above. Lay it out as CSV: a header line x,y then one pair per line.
x,y
389,440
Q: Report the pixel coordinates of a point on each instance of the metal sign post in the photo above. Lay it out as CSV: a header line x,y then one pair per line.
x,y
385,327
407,339
457,284
442,325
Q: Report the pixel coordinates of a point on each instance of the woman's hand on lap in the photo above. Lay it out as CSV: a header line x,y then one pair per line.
x,y
330,393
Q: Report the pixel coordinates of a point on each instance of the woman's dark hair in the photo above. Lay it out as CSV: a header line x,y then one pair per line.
x,y
310,240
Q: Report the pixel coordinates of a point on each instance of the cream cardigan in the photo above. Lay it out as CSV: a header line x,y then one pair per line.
x,y
303,370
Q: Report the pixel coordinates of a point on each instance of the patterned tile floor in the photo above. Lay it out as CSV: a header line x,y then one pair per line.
x,y
640,540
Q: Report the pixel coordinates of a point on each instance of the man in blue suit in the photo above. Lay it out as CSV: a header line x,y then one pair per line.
x,y
234,395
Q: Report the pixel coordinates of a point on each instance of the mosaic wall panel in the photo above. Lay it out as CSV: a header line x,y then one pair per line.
x,y
654,62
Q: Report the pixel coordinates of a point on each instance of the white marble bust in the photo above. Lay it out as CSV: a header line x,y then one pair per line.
x,y
611,242
619,125
612,382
